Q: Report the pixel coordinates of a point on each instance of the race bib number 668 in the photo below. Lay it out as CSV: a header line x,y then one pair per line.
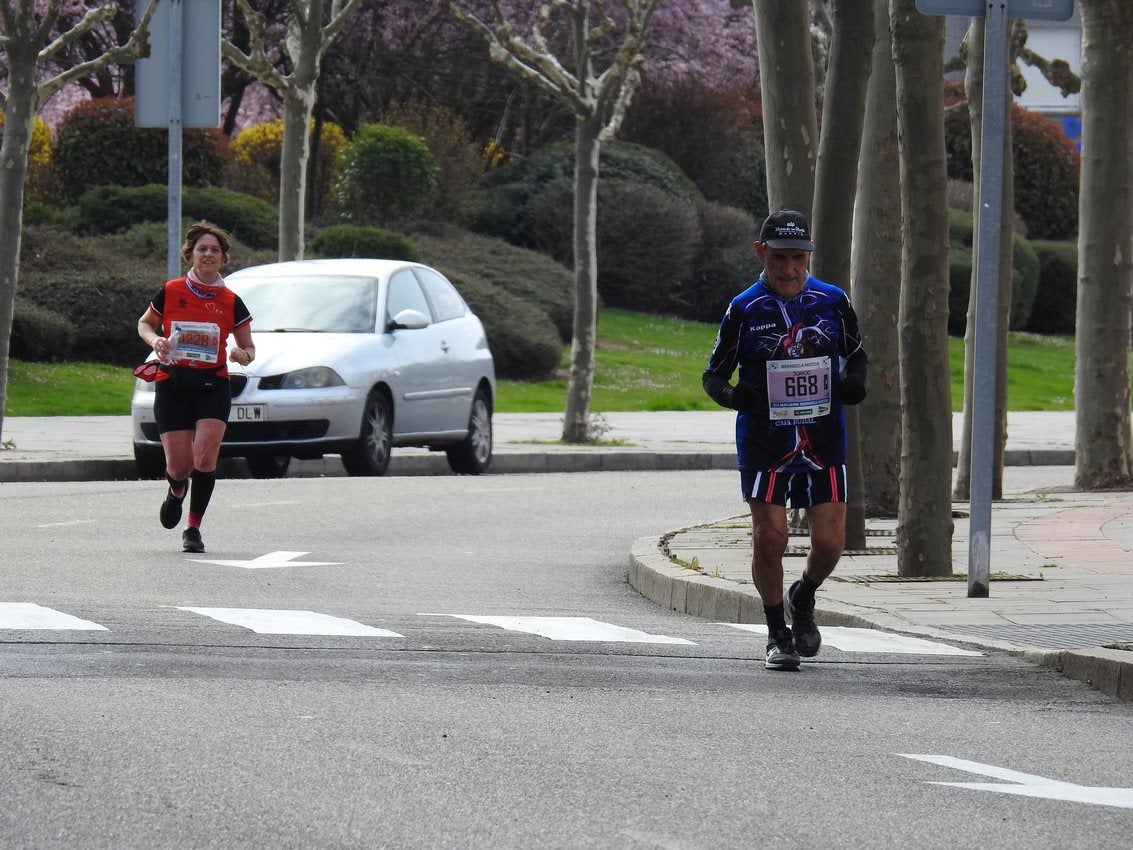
x,y
799,389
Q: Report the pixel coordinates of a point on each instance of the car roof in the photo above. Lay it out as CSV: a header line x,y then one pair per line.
x,y
346,265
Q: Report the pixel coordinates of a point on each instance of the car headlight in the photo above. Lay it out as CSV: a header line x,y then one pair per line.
x,y
303,379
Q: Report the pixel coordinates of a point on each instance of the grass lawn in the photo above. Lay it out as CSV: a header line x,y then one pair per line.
x,y
643,363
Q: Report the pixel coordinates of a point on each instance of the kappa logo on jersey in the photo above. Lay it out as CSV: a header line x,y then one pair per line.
x,y
765,327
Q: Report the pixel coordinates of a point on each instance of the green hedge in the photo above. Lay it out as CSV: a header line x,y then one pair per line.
x,y
98,142
1024,278
351,240
1055,310
113,209
39,335
533,277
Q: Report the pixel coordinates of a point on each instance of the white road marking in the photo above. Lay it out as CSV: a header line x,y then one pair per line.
x,y
270,561
266,621
870,640
68,522
1029,785
568,628
25,615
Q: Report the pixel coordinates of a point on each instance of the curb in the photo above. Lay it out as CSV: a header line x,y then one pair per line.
x,y
433,463
686,591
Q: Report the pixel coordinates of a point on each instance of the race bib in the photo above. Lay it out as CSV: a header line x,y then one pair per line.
x,y
196,342
799,389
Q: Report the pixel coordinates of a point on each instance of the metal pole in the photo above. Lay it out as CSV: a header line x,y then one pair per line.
x,y
987,297
173,209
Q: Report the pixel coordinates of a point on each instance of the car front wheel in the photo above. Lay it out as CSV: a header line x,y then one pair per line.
x,y
371,454
474,454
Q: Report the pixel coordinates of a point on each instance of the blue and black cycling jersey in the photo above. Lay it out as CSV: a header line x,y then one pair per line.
x,y
817,329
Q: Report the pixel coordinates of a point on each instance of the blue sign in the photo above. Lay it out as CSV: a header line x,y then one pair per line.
x,y
1034,10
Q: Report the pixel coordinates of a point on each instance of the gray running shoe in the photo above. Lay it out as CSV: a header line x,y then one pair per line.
x,y
805,631
781,654
191,540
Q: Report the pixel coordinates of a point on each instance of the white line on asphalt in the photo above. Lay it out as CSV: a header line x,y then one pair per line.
x,y
265,621
1029,785
870,640
26,615
568,628
68,522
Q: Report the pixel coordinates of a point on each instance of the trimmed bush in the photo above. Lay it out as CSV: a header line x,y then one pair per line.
x,y
533,277
1046,169
39,335
255,166
112,209
459,159
525,345
1024,277
97,143
351,240
1055,310
514,187
716,138
647,240
725,263
385,176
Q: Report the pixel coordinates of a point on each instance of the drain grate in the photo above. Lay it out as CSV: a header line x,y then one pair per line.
x,y
1061,636
954,577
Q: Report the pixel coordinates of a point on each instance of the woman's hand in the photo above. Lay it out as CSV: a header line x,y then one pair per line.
x,y
243,356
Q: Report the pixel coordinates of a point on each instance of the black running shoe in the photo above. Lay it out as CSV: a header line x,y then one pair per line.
x,y
191,540
171,510
806,634
781,654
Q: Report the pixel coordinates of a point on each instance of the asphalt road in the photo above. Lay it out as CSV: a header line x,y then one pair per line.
x,y
164,722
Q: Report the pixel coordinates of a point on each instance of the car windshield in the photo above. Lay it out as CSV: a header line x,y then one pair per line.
x,y
312,303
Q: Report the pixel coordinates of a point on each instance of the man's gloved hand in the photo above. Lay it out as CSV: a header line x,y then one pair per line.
x,y
746,396
852,389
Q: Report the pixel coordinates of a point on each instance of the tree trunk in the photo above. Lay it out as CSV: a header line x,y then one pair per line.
x,y
304,45
790,126
836,178
924,533
1102,454
19,116
875,265
576,422
974,87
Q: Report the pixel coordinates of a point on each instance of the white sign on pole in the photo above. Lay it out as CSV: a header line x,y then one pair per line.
x,y
1032,10
200,73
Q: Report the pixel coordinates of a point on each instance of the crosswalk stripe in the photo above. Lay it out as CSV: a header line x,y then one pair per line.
x,y
26,615
570,628
265,621
868,640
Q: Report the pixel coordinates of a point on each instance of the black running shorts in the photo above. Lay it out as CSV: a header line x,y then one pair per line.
x,y
806,488
180,410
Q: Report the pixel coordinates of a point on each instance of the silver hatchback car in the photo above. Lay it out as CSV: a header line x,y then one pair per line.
x,y
353,357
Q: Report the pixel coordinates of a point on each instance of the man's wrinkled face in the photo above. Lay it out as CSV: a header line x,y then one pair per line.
x,y
786,268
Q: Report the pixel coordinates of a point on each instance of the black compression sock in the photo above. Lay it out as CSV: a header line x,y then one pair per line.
x,y
808,587
203,483
176,487
776,618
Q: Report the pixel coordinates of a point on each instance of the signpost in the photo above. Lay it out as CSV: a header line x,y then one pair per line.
x,y
988,235
173,94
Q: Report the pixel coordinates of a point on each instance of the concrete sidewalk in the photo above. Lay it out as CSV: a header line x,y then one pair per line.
x,y
1061,561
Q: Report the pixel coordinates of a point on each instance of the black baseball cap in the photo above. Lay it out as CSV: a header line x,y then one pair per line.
x,y
786,229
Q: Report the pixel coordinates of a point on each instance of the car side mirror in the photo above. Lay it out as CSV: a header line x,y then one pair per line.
x,y
412,320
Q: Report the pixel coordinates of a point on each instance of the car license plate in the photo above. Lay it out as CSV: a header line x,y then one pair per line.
x,y
248,413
